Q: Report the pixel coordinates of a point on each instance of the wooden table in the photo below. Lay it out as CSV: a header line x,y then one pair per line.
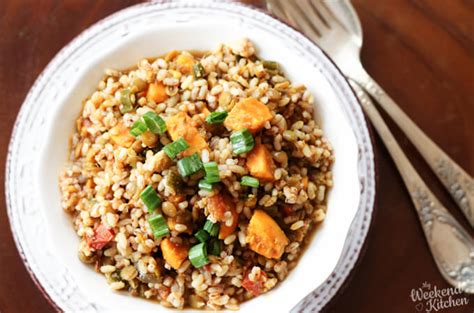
x,y
420,51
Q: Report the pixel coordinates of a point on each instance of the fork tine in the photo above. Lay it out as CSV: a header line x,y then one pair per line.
x,y
298,19
275,8
282,11
325,13
312,16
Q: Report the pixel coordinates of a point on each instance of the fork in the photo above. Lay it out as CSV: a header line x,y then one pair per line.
x,y
320,24
451,246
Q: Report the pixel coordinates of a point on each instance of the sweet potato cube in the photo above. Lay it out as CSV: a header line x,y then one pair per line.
x,y
181,125
265,237
174,253
218,205
205,111
195,140
156,92
184,63
178,124
224,230
248,113
120,136
260,163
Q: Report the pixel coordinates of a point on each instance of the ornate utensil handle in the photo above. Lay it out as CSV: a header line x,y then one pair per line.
x,y
458,183
451,246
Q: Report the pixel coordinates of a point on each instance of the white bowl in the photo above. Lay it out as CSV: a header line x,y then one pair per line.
x,y
39,146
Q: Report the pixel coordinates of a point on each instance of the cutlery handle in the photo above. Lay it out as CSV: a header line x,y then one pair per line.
x,y
451,246
458,183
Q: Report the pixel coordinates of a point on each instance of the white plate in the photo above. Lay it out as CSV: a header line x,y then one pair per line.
x,y
38,149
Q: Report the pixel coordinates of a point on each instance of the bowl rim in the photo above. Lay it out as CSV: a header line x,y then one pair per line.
x,y
75,43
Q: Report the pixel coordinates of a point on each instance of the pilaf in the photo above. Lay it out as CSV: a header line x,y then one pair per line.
x,y
196,179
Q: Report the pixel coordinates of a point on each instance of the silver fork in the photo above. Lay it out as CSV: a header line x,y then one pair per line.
x,y
451,246
319,23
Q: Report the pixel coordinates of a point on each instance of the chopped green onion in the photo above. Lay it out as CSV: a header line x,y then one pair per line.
x,y
211,228
127,99
242,141
154,122
158,226
201,235
198,70
212,172
249,181
138,128
189,165
215,247
150,198
176,147
198,255
271,65
216,117
205,185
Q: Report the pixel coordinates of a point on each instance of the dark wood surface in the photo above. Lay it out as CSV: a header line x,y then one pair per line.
x,y
420,51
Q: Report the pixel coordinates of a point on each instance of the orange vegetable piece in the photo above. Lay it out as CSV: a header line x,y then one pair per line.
x,y
248,113
120,136
265,236
224,230
102,236
174,253
178,124
184,63
218,205
195,140
260,163
156,92
254,287
205,111
181,125
171,55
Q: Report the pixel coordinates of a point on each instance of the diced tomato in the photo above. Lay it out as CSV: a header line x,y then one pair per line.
x,y
288,210
102,236
254,287
164,292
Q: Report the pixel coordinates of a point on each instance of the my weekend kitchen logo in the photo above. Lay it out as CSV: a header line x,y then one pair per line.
x,y
433,299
